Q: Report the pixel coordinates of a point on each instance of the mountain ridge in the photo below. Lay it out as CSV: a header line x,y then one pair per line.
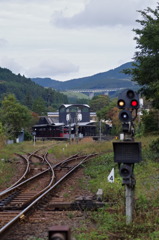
x,y
110,79
26,91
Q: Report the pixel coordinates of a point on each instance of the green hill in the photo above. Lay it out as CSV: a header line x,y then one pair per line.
x,y
27,91
111,79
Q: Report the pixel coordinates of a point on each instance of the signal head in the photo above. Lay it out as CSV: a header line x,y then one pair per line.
x,y
125,171
121,103
130,94
134,103
128,99
125,116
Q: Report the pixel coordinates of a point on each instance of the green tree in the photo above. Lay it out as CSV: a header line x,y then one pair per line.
x,y
151,121
98,102
146,66
14,116
39,106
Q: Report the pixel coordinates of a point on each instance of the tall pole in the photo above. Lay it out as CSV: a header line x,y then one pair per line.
x,y
129,192
76,131
34,140
70,130
100,131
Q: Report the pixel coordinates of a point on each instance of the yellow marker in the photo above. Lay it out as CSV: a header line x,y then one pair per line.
x,y
22,217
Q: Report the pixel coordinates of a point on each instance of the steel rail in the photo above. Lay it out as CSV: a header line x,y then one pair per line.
x,y
25,173
52,177
59,164
16,185
22,177
21,214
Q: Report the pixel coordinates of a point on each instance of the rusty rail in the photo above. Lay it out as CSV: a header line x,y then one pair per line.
x,y
47,190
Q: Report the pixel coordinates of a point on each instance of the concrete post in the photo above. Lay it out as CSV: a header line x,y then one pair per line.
x,y
129,195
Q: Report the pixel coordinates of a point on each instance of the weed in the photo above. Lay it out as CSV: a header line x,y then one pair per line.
x,y
108,222
35,238
66,195
70,215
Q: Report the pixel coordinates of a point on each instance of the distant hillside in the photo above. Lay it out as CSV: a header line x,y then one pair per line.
x,y
110,79
27,91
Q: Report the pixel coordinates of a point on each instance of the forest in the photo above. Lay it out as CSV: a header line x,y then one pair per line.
x,y
29,93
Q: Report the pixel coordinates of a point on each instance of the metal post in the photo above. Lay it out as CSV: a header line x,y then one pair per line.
x,y
129,193
76,132
100,130
70,131
34,139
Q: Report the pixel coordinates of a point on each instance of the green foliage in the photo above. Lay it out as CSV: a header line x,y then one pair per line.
x,y
104,112
98,170
140,129
145,70
107,222
151,121
154,148
64,150
111,112
26,91
98,102
76,98
39,106
14,116
35,238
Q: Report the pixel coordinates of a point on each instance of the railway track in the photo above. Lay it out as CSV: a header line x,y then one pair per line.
x,y
37,183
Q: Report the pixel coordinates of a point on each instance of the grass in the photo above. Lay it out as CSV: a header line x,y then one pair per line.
x,y
8,159
108,222
64,150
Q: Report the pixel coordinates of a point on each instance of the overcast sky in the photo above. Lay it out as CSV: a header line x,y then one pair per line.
x,y
66,39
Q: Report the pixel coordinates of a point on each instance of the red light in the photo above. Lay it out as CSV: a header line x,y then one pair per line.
x,y
134,103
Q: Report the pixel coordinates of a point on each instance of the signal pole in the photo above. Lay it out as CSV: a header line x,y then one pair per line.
x,y
129,195
128,152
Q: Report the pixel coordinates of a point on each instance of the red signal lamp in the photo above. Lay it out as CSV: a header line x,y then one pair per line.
x,y
134,103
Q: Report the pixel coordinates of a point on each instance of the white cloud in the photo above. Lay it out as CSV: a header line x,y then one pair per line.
x,y
50,68
30,45
102,13
11,64
3,42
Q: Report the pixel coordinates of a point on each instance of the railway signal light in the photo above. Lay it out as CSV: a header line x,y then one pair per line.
x,y
126,172
59,233
128,99
125,116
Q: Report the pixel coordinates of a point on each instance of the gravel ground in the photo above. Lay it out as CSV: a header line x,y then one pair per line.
x,y
37,225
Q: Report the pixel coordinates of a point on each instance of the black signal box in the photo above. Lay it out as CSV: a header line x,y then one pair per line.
x,y
128,99
127,152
